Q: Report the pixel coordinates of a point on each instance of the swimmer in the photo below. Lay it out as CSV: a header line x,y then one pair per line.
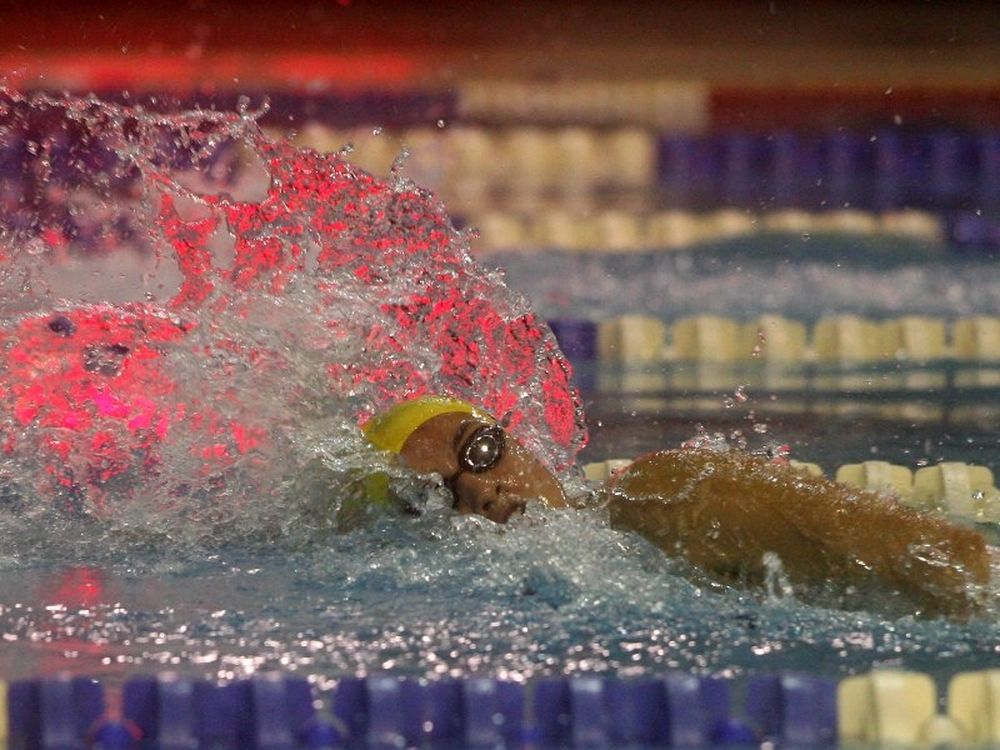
x,y
97,377
722,512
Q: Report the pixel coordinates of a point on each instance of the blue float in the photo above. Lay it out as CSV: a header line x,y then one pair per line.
x,y
577,338
53,714
792,709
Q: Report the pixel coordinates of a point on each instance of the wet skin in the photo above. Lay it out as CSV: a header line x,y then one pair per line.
x,y
514,476
724,511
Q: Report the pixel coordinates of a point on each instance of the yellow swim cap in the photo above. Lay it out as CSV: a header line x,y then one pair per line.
x,y
390,429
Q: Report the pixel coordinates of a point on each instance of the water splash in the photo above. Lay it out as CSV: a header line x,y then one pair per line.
x,y
185,299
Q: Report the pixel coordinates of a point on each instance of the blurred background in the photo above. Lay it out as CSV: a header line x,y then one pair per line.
x,y
797,201
514,110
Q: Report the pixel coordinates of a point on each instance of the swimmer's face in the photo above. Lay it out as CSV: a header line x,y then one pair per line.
x,y
487,471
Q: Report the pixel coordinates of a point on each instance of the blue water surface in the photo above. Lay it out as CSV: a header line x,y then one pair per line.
x,y
555,592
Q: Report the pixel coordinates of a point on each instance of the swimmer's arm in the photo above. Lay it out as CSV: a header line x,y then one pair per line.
x,y
723,512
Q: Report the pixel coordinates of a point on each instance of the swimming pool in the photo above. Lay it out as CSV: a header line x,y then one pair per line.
x,y
450,600
473,608
473,615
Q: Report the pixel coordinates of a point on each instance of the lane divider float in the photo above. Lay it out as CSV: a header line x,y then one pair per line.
x,y
637,338
272,710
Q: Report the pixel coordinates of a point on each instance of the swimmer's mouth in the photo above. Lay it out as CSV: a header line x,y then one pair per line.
x,y
505,513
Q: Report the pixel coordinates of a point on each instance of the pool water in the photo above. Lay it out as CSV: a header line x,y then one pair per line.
x,y
881,420
448,597
802,279
441,595
555,592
